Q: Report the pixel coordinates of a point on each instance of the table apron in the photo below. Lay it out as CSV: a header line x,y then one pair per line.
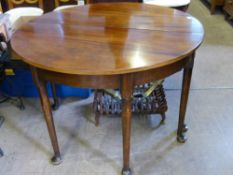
x,y
111,81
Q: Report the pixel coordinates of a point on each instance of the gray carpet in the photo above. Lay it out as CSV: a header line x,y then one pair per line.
x,y
213,63
89,150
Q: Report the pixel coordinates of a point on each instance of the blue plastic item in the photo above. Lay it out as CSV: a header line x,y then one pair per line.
x,y
21,84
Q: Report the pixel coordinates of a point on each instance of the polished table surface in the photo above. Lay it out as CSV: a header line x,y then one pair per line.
x,y
108,39
116,45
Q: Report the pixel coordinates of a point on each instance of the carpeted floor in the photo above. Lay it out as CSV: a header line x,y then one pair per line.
x,y
90,150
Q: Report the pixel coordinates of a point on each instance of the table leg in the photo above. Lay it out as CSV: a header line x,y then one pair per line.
x,y
187,75
126,92
55,105
45,104
1,122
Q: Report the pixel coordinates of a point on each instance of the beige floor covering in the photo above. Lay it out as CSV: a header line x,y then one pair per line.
x,y
90,150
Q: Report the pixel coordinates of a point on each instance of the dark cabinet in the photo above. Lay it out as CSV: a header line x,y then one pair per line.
x,y
214,4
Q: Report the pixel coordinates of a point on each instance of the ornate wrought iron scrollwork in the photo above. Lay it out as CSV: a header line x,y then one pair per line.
x,y
147,99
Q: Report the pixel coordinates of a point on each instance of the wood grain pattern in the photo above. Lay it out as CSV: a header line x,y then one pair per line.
x,y
126,37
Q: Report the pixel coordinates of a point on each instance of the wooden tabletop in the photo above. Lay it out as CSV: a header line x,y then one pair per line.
x,y
106,39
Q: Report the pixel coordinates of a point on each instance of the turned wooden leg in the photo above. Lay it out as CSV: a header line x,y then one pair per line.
x,y
45,104
55,105
126,92
187,74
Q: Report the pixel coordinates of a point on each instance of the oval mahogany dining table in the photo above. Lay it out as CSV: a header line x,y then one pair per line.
x,y
109,45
